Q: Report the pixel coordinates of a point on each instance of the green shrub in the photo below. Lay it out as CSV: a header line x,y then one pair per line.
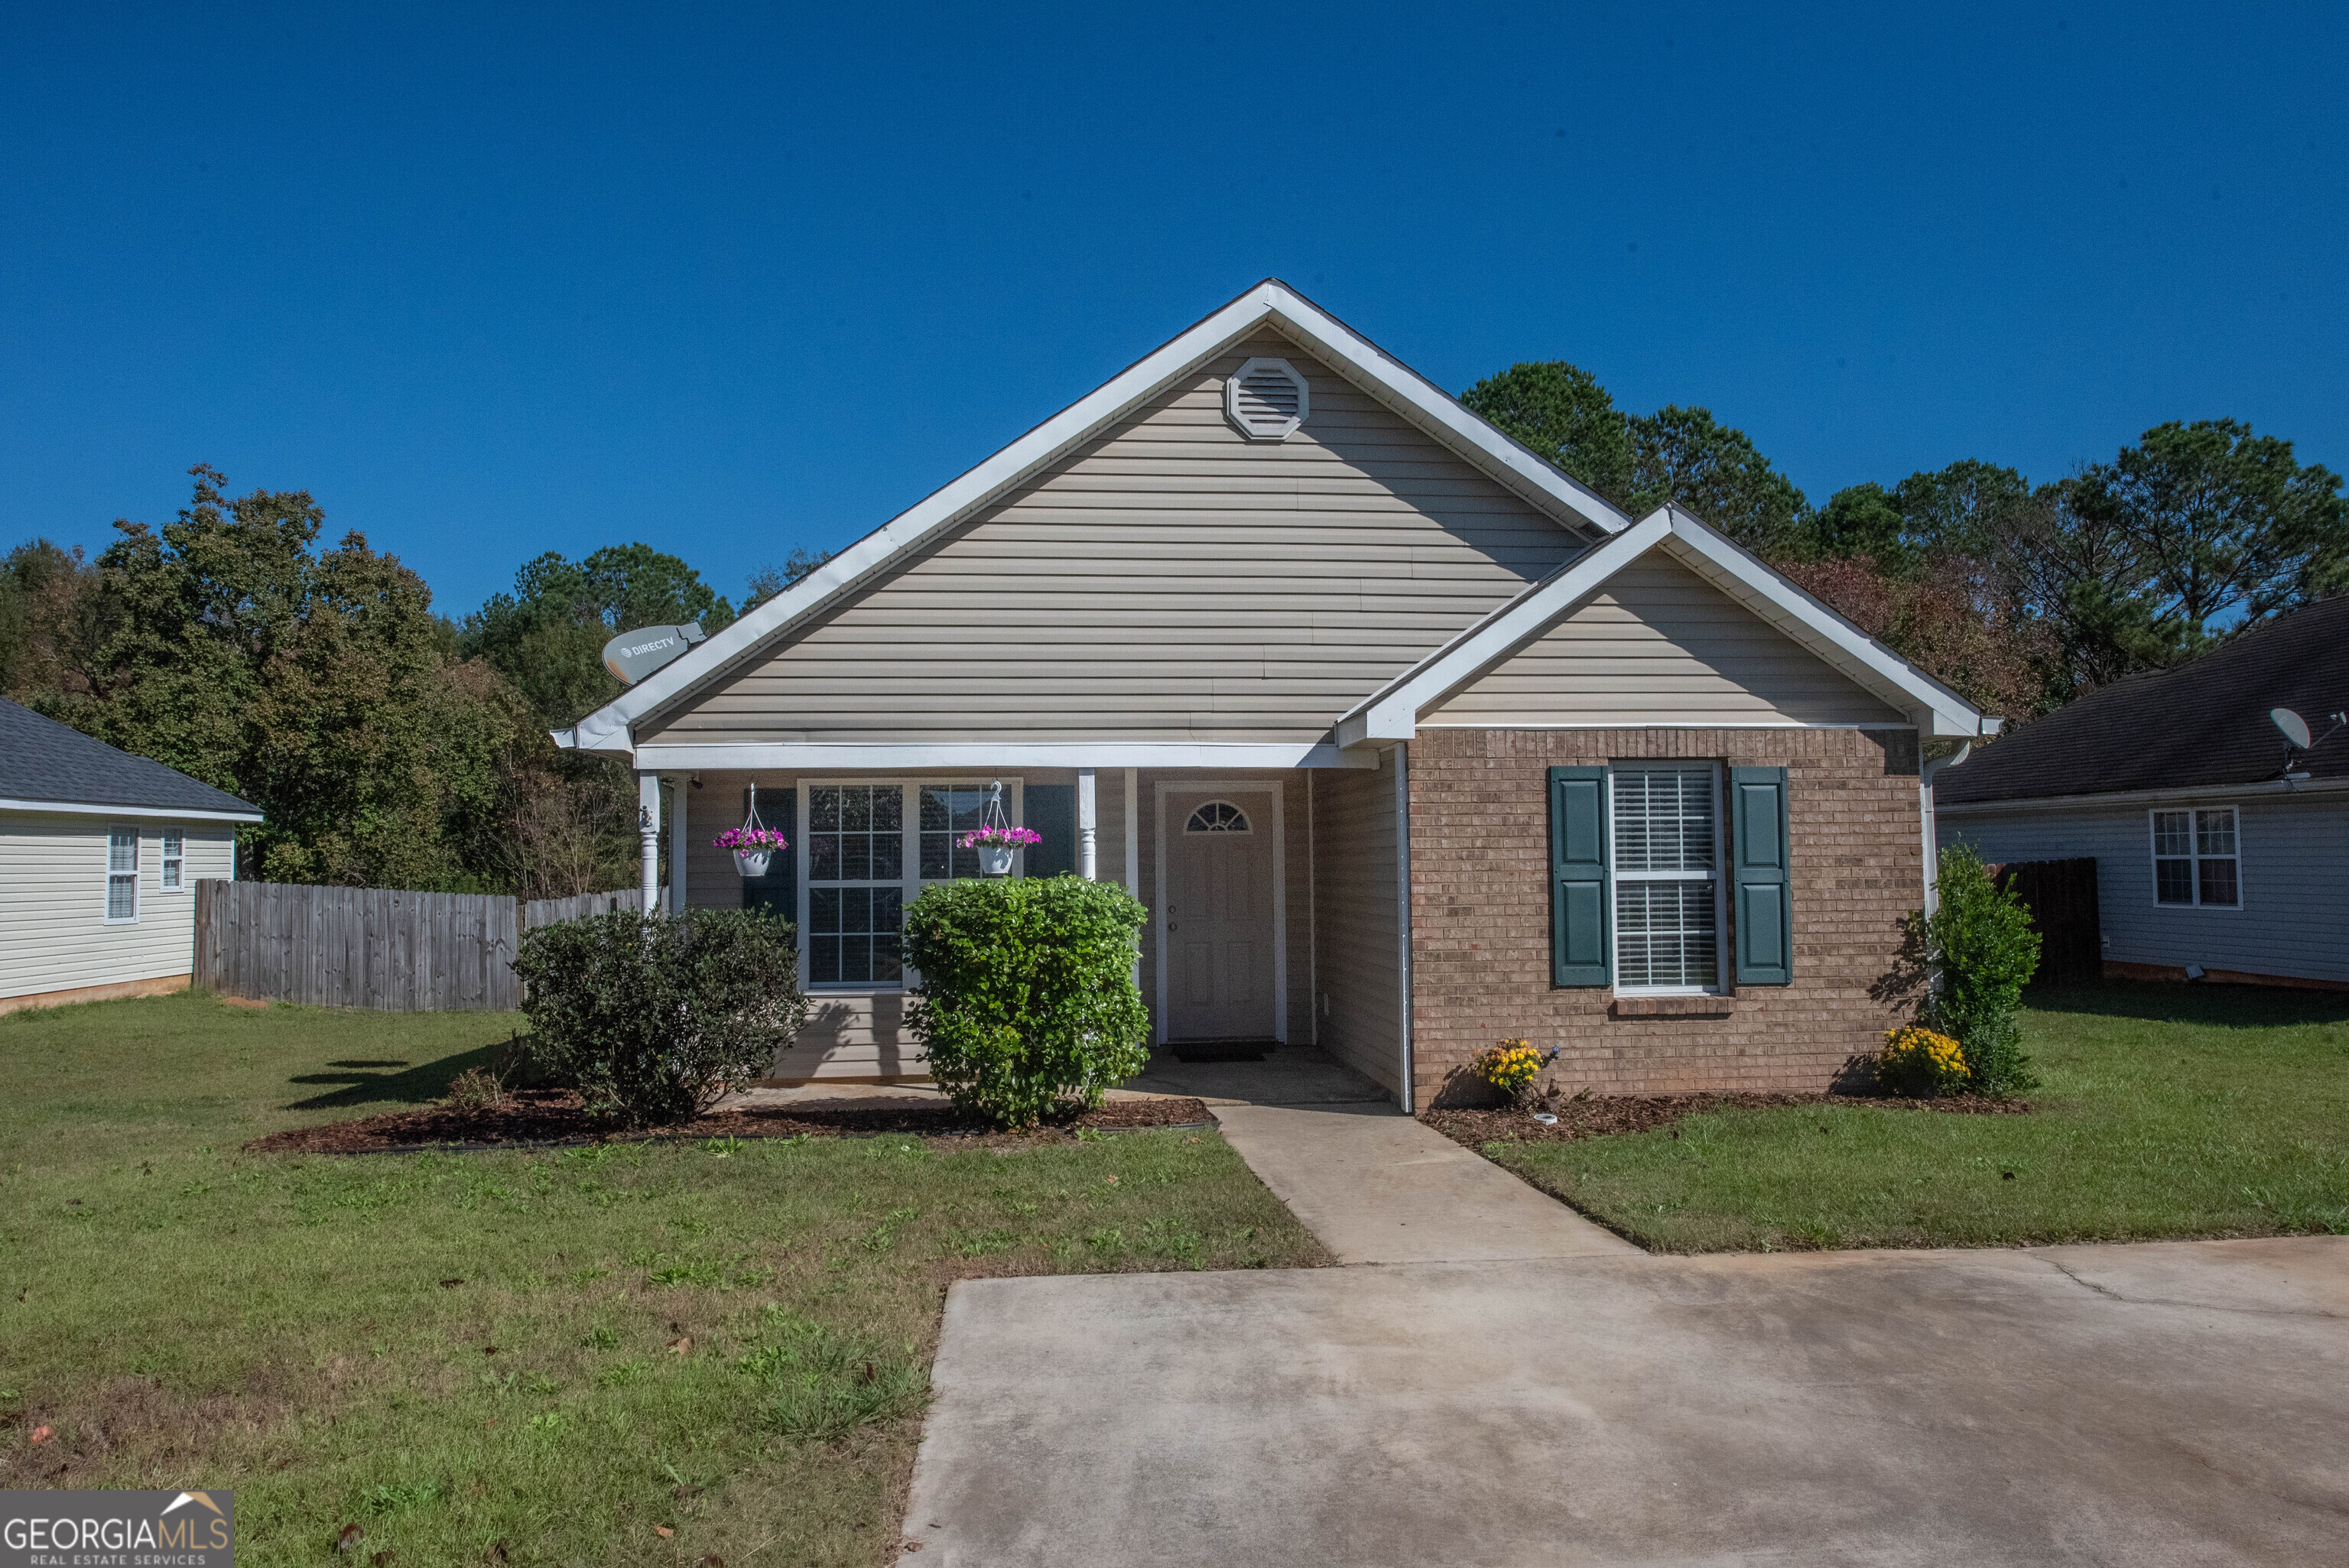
x,y
657,1019
1980,952
1028,995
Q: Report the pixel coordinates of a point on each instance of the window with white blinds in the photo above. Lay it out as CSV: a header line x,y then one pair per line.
x,y
121,875
1667,873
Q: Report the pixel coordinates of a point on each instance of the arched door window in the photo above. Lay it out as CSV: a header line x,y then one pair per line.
x,y
1217,817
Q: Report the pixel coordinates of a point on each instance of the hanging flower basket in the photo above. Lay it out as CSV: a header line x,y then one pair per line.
x,y
753,848
996,845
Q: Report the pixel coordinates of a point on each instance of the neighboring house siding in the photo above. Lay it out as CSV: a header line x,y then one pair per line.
x,y
1358,957
2294,862
1169,581
53,876
1660,646
1480,913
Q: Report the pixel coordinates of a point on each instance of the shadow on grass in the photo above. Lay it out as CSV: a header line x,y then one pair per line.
x,y
2177,1001
416,1085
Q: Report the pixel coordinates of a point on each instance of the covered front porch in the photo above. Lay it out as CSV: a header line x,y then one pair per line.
x,y
1278,912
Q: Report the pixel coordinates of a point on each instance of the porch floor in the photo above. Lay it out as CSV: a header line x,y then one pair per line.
x,y
1288,1075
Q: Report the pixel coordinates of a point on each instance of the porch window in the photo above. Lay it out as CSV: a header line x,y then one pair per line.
x,y
868,850
1667,863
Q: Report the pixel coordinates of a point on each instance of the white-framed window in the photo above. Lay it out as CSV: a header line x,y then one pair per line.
x,y
121,875
1665,829
867,848
2198,857
175,859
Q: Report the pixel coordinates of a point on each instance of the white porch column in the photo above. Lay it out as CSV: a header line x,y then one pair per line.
x,y
1133,832
1085,812
676,791
648,813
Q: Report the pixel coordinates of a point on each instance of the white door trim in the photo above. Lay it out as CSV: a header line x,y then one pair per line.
x,y
1278,789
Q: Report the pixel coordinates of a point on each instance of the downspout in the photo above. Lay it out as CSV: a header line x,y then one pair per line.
x,y
1925,775
1402,922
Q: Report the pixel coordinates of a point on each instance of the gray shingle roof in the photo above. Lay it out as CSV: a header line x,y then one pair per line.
x,y
2202,723
41,759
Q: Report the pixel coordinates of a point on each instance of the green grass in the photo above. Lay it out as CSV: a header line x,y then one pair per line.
x,y
557,1351
2165,1111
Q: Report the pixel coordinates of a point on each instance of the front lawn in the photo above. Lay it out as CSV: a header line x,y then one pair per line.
x,y
2165,1111
515,1357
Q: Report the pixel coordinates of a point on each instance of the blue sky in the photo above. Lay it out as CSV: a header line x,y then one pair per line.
x,y
491,281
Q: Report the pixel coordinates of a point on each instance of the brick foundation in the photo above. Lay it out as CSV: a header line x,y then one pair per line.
x,y
1480,914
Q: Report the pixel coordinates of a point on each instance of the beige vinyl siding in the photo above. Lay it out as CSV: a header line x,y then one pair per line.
x,y
1358,953
1169,581
1659,645
53,903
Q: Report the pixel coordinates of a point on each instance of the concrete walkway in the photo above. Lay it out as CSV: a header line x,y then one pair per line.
x,y
2171,1403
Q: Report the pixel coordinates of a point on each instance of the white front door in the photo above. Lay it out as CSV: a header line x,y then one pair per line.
x,y
1218,911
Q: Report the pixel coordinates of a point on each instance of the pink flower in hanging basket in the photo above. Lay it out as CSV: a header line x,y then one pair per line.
x,y
757,841
1000,838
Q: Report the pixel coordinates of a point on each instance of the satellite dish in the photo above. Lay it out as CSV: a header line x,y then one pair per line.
x,y
632,655
2295,727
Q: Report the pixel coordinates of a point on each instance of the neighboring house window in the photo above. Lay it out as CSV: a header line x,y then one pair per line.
x,y
121,875
175,860
1667,860
869,850
2196,859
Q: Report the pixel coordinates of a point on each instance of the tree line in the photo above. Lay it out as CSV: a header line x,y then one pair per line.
x,y
2020,596
388,746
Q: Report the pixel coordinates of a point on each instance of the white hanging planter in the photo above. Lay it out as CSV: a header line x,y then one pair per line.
x,y
755,844
995,838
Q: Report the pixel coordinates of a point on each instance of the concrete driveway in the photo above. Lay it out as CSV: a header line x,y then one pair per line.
x,y
2172,1403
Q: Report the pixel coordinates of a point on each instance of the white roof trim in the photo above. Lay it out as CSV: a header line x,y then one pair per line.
x,y
128,813
2261,790
659,758
1392,713
1572,504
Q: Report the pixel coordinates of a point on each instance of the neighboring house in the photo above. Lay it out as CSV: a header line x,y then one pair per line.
x,y
2209,859
1410,742
100,856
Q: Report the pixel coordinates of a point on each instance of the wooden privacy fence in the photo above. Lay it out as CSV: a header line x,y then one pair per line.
x,y
541,911
2061,896
357,947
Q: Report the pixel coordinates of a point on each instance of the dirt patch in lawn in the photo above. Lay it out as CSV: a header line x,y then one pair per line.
x,y
1602,1116
536,1117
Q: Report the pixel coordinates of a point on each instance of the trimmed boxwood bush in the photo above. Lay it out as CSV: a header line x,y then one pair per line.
x,y
657,1019
1027,997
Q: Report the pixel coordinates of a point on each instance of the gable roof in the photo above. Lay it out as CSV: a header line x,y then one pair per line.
x,y
1392,713
2201,725
1346,352
51,766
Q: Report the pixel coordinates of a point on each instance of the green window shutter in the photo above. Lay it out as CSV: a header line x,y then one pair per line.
x,y
1764,896
1581,940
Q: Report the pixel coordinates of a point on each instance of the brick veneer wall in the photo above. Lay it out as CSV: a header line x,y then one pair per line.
x,y
1480,913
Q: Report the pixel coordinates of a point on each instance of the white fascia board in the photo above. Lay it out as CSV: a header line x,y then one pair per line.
x,y
127,813
2264,788
1392,713
607,729
1745,578
995,754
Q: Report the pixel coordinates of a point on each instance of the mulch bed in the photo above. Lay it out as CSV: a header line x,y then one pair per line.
x,y
538,1118
1599,1117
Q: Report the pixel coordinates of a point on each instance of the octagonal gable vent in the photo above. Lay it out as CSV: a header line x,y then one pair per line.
x,y
1267,399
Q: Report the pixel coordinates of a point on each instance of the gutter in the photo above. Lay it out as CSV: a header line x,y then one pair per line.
x,y
1925,777
2262,787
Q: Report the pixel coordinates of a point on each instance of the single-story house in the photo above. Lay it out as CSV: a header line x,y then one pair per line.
x,y
2221,848
100,856
1410,742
